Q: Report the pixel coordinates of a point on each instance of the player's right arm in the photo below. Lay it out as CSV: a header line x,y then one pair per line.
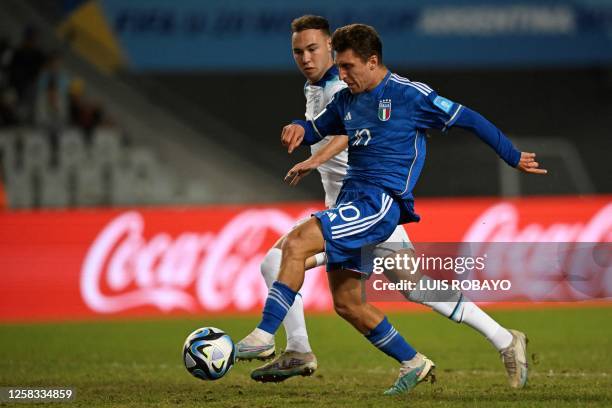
x,y
327,122
336,145
292,136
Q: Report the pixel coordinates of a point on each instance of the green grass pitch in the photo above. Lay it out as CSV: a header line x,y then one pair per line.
x,y
138,363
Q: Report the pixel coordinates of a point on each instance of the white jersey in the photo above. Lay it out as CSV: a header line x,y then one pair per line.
x,y
318,95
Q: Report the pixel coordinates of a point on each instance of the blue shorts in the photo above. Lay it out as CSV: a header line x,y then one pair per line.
x,y
364,215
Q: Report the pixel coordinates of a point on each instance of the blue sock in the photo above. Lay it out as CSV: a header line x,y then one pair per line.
x,y
280,298
389,341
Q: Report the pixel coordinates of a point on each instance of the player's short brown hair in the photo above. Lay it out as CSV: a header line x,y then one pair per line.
x,y
310,22
361,38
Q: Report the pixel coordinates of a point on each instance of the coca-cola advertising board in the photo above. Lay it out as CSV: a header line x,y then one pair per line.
x,y
83,264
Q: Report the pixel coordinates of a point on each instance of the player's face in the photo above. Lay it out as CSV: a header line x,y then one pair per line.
x,y
359,75
312,53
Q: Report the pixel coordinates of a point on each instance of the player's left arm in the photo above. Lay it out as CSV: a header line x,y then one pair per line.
x,y
491,135
438,112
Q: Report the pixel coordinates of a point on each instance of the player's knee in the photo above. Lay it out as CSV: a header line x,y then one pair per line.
x,y
293,246
347,310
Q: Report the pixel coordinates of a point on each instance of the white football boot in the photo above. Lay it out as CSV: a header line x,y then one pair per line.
x,y
514,358
253,348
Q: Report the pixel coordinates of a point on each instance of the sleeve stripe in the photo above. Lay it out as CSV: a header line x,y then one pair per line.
x,y
454,115
451,121
401,78
427,92
424,86
315,126
411,85
319,114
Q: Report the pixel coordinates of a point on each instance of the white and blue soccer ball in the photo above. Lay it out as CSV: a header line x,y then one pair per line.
x,y
209,353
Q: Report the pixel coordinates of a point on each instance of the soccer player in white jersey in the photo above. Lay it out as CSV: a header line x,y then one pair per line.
x,y
312,53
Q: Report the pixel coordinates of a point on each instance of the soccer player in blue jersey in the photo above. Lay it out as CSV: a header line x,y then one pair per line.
x,y
311,46
385,117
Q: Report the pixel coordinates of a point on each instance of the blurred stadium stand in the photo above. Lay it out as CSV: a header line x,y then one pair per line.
x,y
534,107
146,156
210,136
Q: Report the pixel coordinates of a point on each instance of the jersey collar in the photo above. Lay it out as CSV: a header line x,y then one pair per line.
x,y
328,76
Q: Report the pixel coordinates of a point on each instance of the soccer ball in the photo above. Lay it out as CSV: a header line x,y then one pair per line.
x,y
209,353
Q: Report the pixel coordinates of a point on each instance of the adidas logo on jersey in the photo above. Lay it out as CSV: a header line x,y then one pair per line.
x,y
348,116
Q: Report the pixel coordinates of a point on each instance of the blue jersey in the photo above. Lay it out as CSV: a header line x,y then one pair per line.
x,y
386,128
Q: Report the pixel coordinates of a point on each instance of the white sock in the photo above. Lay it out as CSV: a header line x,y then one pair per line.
x,y
455,306
476,318
444,308
294,323
295,327
299,344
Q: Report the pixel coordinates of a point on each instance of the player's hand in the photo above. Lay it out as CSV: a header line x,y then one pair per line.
x,y
292,137
528,164
300,170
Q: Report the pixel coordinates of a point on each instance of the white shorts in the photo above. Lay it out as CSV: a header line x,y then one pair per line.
x,y
399,236
398,240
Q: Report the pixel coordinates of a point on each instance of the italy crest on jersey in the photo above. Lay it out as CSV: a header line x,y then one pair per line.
x,y
384,109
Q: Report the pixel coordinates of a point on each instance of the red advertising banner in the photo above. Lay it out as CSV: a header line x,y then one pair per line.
x,y
149,262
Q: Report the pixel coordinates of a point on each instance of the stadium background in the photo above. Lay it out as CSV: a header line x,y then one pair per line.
x,y
141,174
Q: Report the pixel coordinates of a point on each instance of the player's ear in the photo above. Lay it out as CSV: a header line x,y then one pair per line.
x,y
329,46
372,62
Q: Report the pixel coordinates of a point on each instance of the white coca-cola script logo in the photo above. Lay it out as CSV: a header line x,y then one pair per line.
x,y
500,223
561,261
216,271
123,270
